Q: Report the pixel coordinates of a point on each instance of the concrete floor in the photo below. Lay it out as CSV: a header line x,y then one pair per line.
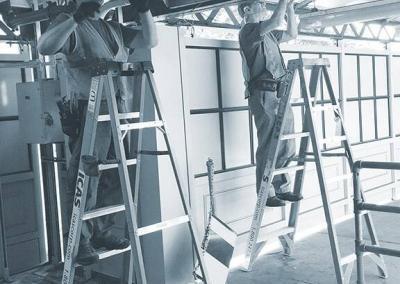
x,y
312,263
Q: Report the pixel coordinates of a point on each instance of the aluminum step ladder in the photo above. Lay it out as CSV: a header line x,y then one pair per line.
x,y
103,74
343,266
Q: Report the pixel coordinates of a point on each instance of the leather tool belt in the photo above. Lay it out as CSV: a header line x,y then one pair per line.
x,y
270,85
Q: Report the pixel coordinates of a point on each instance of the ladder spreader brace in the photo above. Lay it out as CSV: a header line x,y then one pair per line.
x,y
309,101
103,73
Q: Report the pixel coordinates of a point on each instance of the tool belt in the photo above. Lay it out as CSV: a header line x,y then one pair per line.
x,y
270,85
70,120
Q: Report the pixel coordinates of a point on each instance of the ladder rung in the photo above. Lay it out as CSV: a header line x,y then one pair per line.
x,y
325,107
297,101
162,225
339,178
109,253
103,167
288,170
333,139
103,211
295,135
333,154
126,115
154,153
297,158
141,125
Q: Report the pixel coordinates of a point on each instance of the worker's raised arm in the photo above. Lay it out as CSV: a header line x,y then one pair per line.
x,y
292,24
276,20
58,33
147,38
54,39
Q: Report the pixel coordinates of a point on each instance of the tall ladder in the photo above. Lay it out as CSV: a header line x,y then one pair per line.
x,y
103,74
343,266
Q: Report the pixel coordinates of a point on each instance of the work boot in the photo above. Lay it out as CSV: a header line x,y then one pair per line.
x,y
110,242
289,196
274,201
86,255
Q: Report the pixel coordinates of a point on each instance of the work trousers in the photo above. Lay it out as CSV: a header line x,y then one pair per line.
x,y
104,190
264,107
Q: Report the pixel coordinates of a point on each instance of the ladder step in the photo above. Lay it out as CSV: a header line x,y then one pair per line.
x,y
325,107
103,211
126,115
288,170
103,167
110,253
297,101
141,125
162,225
297,158
103,254
333,154
295,135
333,139
154,153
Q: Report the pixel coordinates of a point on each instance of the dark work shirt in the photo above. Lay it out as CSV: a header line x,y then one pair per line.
x,y
261,52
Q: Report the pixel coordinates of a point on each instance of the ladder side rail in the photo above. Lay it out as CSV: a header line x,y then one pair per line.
x,y
125,183
82,182
185,203
266,182
349,155
324,194
142,80
304,143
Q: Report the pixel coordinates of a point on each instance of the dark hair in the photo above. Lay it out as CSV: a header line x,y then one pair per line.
x,y
241,7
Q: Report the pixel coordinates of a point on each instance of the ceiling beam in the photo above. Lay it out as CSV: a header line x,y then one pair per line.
x,y
355,13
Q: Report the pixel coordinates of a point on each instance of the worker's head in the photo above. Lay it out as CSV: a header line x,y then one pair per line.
x,y
254,11
99,2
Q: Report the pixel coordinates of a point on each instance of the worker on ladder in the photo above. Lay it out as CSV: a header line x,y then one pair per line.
x,y
84,38
263,67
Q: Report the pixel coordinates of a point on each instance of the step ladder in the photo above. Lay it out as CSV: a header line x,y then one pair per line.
x,y
343,266
103,73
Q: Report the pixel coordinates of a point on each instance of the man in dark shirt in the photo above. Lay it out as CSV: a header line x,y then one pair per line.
x,y
84,38
263,66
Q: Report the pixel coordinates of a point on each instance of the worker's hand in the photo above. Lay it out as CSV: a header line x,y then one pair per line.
x,y
86,10
142,6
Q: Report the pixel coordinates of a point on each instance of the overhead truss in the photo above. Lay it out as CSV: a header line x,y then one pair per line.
x,y
228,17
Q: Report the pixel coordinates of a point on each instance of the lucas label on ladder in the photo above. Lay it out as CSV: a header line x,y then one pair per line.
x,y
263,68
84,38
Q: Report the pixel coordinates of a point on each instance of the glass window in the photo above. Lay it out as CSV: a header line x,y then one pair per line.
x,y
8,92
381,76
352,122
205,141
232,82
368,120
200,79
366,76
350,84
395,74
382,107
237,138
